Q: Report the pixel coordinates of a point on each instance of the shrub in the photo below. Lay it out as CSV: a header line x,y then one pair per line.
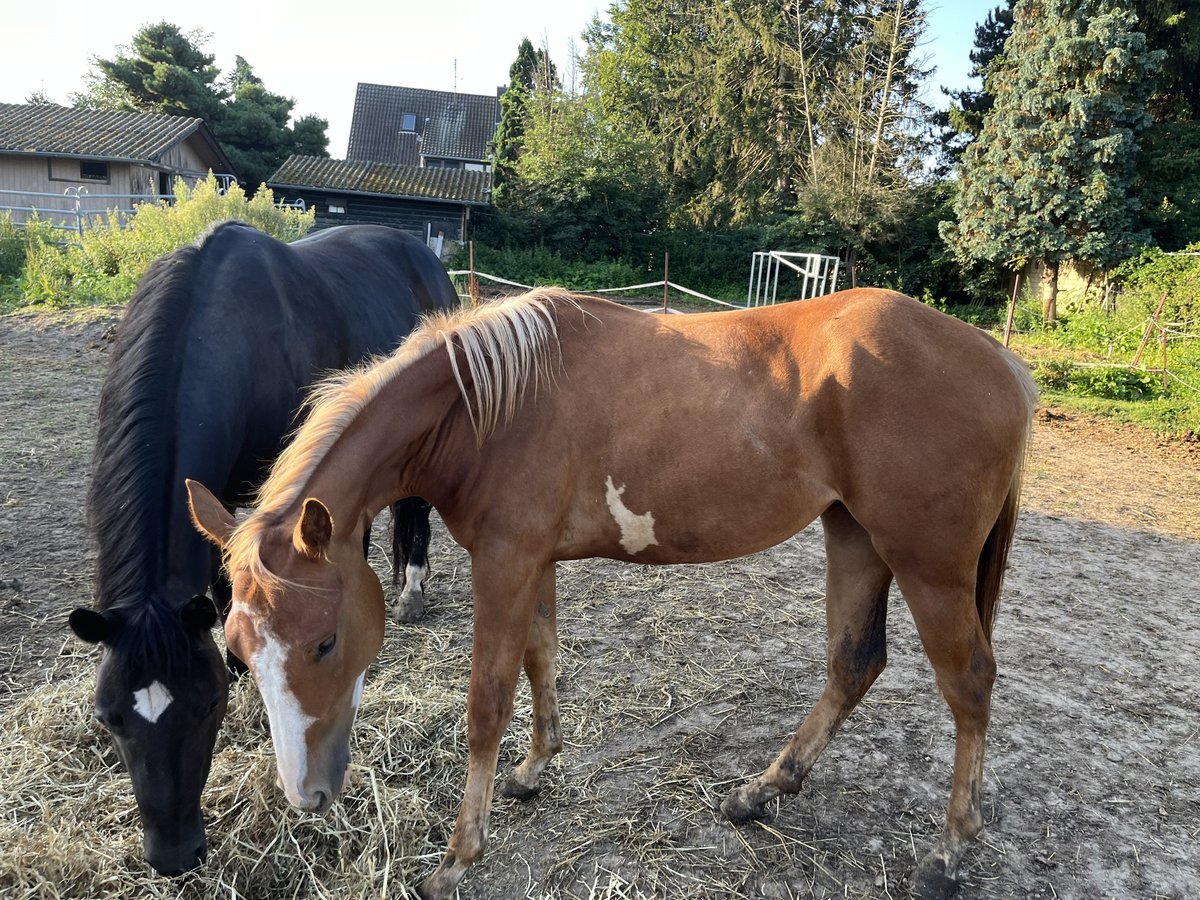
x,y
104,265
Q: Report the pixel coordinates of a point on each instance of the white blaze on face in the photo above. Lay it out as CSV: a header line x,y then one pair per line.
x,y
151,701
288,721
358,689
637,532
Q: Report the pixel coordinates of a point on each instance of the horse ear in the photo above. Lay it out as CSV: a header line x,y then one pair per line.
x,y
91,625
209,515
314,531
199,613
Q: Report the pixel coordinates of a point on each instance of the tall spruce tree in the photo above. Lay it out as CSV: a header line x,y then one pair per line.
x,y
1050,176
532,70
963,120
165,70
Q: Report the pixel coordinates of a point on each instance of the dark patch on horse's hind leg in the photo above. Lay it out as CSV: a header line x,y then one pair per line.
x,y
857,583
410,555
223,597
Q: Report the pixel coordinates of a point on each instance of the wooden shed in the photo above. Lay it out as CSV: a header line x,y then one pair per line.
x,y
54,156
426,202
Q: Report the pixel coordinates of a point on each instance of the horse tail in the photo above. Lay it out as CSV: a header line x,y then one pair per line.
x,y
993,559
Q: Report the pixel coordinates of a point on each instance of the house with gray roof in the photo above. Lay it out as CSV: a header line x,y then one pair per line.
x,y
413,126
52,157
417,159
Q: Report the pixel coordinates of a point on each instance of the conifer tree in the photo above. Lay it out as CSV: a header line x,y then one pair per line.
x,y
1050,176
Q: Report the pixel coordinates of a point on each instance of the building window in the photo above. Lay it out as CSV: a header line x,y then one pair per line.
x,y
336,207
408,122
90,170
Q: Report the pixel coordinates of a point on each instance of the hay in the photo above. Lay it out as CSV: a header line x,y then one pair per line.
x,y
662,684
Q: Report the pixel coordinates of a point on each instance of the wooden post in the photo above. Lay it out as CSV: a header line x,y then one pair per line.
x,y
1137,357
666,280
1012,309
1164,343
472,281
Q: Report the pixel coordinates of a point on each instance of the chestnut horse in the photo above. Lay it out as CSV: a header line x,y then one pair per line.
x,y
553,427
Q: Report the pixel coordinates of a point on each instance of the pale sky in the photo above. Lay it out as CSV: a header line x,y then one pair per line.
x,y
317,53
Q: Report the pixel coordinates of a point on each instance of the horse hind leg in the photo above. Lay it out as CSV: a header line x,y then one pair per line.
x,y
857,583
410,555
546,738
952,633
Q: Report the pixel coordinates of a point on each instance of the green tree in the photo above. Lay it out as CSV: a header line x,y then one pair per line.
x,y
253,127
963,120
531,70
164,70
757,106
1169,168
1050,176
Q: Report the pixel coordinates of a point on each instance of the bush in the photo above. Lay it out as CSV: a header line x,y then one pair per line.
x,y
104,265
1105,382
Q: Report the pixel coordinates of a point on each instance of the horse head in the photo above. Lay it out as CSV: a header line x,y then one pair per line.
x,y
308,618
161,685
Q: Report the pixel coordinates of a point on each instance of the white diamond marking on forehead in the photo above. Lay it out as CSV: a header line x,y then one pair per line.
x,y
152,701
637,531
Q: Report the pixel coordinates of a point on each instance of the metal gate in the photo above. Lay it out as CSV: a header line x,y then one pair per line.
x,y
817,275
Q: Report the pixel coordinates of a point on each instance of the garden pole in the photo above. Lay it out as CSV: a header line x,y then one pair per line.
x,y
1164,343
1137,357
666,279
472,281
1012,309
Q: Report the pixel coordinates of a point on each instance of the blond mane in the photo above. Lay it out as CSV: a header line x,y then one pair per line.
x,y
507,345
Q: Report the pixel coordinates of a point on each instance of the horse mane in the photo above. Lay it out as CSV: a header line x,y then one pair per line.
x,y
508,346
129,494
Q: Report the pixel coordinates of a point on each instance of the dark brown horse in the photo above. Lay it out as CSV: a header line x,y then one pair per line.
x,y
553,427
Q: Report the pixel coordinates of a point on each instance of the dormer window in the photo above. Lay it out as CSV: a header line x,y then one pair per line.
x,y
408,122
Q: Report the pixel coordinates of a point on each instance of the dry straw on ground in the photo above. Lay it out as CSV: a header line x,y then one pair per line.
x,y
635,817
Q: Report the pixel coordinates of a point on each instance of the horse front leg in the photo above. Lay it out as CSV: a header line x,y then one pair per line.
x,y
546,739
504,611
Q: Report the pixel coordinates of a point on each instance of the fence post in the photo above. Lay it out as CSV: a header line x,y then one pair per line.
x,y
666,281
1137,357
1164,343
1012,309
472,281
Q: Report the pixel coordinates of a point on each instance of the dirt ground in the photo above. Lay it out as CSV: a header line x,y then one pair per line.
x,y
679,682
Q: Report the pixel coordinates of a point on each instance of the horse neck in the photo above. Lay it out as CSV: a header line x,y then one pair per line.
x,y
412,439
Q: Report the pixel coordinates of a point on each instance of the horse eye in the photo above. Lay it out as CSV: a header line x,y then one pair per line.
x,y
111,721
326,645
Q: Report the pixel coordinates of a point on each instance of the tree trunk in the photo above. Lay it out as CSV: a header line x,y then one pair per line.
x,y
1050,290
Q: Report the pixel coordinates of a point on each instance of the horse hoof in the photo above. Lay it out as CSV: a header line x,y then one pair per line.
x,y
930,881
739,811
408,609
514,790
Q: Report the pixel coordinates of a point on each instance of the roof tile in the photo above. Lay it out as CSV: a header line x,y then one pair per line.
x,y
59,130
450,125
363,177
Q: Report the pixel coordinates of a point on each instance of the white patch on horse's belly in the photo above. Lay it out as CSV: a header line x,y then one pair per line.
x,y
152,701
637,532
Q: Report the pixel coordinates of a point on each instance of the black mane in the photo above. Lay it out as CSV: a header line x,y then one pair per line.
x,y
127,499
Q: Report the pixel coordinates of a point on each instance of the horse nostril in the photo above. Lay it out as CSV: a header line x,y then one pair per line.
x,y
322,801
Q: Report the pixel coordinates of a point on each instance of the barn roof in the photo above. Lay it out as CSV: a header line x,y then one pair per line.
x,y
450,125
137,137
406,182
